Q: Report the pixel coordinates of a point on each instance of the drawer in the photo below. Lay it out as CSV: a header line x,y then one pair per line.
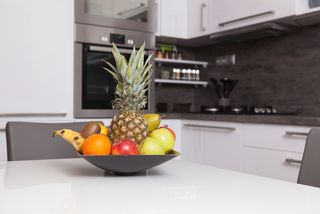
x,y
279,137
271,163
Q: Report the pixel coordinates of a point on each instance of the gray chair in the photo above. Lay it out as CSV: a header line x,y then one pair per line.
x,y
310,166
34,141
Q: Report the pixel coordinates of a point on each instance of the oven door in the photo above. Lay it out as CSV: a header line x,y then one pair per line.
x,y
138,15
95,87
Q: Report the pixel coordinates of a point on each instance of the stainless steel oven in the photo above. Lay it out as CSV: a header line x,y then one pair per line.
x,y
137,15
93,86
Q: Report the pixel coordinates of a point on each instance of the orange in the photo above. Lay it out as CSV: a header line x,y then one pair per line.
x,y
96,144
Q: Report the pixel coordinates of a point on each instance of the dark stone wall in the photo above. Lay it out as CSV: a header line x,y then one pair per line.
x,y
282,71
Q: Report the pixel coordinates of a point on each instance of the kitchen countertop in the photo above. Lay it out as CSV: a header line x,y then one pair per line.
x,y
268,119
175,187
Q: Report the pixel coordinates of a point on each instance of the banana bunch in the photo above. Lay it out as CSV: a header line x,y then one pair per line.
x,y
72,137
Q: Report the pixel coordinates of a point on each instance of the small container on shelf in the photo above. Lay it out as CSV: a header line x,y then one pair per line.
x,y
167,55
159,54
177,74
173,54
179,55
189,77
197,75
173,74
165,74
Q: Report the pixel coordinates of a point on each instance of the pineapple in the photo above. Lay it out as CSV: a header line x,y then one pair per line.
x,y
132,79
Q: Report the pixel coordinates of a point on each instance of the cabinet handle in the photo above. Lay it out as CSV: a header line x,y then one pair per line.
x,y
210,127
271,12
292,133
291,160
202,24
33,115
2,130
132,10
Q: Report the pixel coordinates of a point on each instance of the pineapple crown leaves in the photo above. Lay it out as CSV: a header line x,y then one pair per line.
x,y
133,78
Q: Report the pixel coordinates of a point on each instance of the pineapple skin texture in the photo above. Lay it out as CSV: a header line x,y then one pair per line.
x,y
128,125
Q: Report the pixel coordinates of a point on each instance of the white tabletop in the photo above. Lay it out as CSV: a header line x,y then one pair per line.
x,y
75,186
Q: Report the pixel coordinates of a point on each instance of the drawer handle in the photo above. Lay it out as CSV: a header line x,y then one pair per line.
x,y
33,115
2,130
292,133
291,161
271,12
210,127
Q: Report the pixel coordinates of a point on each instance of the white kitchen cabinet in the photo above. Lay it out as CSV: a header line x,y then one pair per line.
x,y
280,137
304,8
3,145
183,19
214,143
271,163
230,14
36,58
199,22
192,145
173,18
268,150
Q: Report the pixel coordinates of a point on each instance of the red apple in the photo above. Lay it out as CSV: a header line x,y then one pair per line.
x,y
124,147
166,126
174,135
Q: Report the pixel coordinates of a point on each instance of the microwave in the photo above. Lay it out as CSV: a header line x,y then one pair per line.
x,y
138,15
94,88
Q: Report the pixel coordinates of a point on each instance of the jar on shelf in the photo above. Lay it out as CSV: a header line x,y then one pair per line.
x,y
179,55
178,74
173,54
197,75
165,74
167,55
159,54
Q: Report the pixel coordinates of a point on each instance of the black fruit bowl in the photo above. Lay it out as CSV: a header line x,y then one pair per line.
x,y
128,164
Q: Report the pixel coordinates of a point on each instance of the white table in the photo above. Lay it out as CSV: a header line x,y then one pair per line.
x,y
75,186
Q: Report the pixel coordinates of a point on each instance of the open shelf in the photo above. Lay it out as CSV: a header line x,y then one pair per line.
x,y
185,82
181,61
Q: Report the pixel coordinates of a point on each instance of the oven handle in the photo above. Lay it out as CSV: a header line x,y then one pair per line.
x,y
109,49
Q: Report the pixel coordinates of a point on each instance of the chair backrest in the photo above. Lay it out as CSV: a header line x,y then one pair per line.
x,y
310,167
34,141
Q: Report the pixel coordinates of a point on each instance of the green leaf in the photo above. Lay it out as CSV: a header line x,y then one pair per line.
x,y
113,74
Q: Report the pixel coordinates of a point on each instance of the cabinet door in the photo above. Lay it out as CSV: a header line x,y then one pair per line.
x,y
173,17
192,145
279,137
271,163
36,57
198,18
229,14
213,143
222,142
303,7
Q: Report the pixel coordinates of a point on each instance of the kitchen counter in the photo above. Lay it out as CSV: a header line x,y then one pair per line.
x,y
267,119
176,187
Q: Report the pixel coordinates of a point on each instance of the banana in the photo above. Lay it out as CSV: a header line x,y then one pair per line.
x,y
103,129
72,137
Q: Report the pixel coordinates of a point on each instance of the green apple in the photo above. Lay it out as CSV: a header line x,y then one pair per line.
x,y
151,146
153,121
165,137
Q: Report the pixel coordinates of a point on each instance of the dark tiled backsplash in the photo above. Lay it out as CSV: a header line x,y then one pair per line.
x,y
283,72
